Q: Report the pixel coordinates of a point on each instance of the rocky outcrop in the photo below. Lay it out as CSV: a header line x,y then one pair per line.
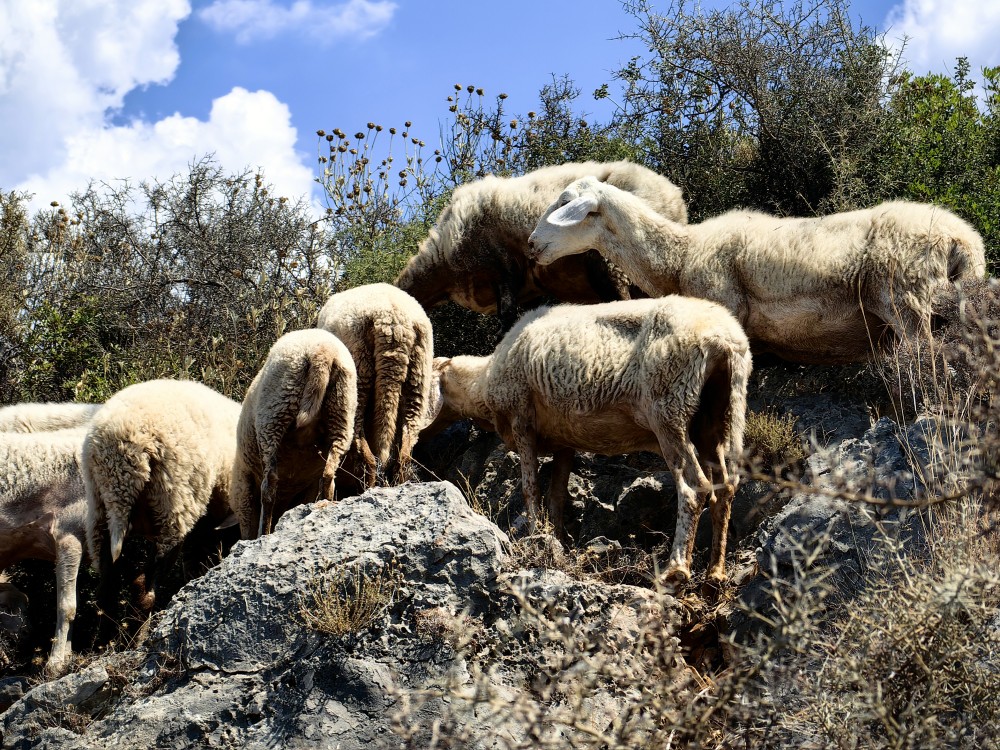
x,y
232,661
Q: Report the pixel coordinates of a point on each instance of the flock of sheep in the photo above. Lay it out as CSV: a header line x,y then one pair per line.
x,y
339,408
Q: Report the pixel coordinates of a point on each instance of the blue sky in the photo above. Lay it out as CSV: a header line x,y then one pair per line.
x,y
107,89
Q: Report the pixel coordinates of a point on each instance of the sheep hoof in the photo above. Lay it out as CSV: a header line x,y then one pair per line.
x,y
675,578
712,586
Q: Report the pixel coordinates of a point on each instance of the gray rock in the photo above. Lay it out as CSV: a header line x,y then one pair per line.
x,y
232,663
827,525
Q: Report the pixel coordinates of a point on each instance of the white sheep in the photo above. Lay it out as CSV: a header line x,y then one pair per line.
x,y
296,425
817,290
41,417
156,458
475,254
43,516
665,375
390,338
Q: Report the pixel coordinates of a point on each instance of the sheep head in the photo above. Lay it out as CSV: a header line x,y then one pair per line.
x,y
569,226
455,392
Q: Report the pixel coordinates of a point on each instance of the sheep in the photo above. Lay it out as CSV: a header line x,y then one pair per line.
x,y
296,425
666,375
43,516
475,254
41,417
813,290
390,338
156,458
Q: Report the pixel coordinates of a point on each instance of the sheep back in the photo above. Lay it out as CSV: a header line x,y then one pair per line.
x,y
158,456
389,336
297,417
477,247
42,417
577,360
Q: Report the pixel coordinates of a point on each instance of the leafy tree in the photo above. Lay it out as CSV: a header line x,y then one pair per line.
x,y
196,275
941,144
762,104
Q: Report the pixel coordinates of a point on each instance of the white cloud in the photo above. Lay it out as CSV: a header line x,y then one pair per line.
x,y
939,31
244,129
65,69
65,63
262,19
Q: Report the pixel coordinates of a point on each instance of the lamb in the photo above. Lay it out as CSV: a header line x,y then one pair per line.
x,y
390,337
666,375
41,417
43,516
156,458
814,290
475,254
296,425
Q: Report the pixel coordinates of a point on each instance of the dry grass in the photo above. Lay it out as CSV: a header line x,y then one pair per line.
x,y
904,654
348,599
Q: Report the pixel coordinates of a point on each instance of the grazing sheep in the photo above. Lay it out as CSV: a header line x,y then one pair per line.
x,y
157,457
821,290
42,417
475,254
296,425
665,375
390,338
42,516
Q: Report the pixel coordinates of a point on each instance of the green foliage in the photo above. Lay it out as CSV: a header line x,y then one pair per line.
x,y
755,104
195,276
62,342
13,282
942,145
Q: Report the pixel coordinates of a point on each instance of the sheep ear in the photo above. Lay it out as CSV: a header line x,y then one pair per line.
x,y
573,212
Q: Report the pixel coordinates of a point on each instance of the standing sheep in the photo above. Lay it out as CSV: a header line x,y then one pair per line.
x,y
40,417
821,290
475,254
296,425
664,375
390,338
43,516
157,457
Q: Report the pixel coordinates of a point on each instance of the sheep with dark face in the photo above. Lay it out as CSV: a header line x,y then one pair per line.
x,y
665,375
43,517
158,456
390,338
296,425
816,290
475,255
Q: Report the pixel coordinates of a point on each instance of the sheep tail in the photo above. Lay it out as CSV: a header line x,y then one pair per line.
x,y
965,260
313,391
740,367
392,364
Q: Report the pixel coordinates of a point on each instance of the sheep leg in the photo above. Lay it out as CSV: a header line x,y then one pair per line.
x,y
506,304
369,465
720,507
562,464
246,501
333,461
69,553
268,495
165,559
692,488
526,445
